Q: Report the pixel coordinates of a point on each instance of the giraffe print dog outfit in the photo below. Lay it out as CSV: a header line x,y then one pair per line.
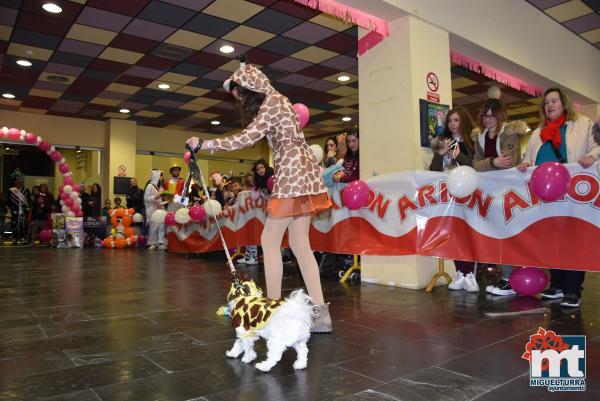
x,y
251,310
297,171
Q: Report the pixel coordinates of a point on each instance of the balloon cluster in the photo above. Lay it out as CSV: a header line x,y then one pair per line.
x,y
70,200
186,215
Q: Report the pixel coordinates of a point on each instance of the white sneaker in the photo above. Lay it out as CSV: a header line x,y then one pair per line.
x,y
241,261
153,246
470,283
251,261
457,283
162,246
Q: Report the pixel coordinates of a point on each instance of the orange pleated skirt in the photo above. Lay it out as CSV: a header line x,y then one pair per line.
x,y
298,206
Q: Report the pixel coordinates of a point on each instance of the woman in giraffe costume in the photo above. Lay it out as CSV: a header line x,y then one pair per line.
x,y
299,191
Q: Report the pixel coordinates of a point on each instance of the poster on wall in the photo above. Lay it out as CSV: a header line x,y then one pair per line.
x,y
433,118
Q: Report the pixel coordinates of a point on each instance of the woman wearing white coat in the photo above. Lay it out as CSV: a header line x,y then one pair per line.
x,y
152,202
564,136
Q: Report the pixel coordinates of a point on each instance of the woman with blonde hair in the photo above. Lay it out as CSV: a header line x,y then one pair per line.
x,y
564,136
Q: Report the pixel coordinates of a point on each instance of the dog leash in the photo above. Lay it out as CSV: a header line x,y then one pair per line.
x,y
196,174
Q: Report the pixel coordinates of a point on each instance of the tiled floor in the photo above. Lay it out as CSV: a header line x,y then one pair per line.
x,y
93,325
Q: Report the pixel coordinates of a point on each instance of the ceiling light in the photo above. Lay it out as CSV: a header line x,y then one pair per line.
x,y
343,78
164,86
124,111
226,49
346,118
8,95
7,148
24,63
215,122
52,8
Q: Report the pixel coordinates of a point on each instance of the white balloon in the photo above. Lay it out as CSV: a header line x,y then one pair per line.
x,y
216,206
138,218
494,92
65,209
318,152
67,189
158,216
70,214
77,201
62,202
462,181
74,195
182,215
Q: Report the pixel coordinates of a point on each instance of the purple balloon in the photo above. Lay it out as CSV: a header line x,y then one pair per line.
x,y
550,181
356,195
528,281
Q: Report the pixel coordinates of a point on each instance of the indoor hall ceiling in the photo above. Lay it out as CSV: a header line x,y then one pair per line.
x,y
99,56
582,17
469,90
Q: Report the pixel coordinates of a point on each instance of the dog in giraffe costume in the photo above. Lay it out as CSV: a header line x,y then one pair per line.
x,y
282,324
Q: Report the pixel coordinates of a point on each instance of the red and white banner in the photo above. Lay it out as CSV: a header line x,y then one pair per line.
x,y
412,213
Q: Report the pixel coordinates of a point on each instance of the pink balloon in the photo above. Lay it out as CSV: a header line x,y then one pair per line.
x,y
186,157
170,219
302,113
79,214
64,168
550,181
55,156
69,202
197,213
45,235
64,196
271,183
76,208
528,281
44,146
30,138
68,181
14,134
356,195
76,188
141,241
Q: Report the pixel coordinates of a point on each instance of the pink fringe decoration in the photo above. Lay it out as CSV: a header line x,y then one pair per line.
x,y
369,41
492,73
349,15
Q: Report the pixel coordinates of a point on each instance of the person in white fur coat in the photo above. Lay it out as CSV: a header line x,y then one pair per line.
x,y
153,202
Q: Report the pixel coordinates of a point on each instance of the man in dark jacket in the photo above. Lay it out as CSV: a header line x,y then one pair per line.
x,y
135,197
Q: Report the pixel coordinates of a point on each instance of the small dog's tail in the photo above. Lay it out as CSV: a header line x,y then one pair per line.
x,y
298,306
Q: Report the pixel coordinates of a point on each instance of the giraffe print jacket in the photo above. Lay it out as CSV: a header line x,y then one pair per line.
x,y
297,172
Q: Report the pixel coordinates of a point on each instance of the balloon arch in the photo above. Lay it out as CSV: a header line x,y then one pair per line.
x,y
70,199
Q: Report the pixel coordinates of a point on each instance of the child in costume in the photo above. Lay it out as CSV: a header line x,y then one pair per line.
x,y
153,202
298,191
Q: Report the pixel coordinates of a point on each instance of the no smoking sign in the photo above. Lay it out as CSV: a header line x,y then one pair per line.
x,y
433,83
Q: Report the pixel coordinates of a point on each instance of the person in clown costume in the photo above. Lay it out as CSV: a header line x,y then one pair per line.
x,y
299,191
153,202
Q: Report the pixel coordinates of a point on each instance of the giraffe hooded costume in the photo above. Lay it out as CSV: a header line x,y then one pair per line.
x,y
299,188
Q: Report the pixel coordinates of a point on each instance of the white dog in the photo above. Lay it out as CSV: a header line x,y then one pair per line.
x,y
282,324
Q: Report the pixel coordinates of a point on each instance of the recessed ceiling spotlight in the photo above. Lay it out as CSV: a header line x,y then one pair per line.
x,y
226,49
343,78
24,63
7,148
8,95
57,78
346,118
215,122
52,8
164,86
124,111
